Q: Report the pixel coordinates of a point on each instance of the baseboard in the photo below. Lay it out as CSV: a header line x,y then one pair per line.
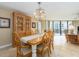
x,y
4,46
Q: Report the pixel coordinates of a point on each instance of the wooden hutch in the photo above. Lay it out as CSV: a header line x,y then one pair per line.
x,y
21,23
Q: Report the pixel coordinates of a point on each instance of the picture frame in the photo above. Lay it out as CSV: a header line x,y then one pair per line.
x,y
4,22
33,25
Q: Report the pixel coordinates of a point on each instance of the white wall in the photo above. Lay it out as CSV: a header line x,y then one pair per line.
x,y
5,33
76,24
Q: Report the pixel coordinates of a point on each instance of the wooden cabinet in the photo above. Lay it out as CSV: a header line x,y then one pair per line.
x,y
21,23
28,25
73,38
18,22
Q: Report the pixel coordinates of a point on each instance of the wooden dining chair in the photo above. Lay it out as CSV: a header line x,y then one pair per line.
x,y
45,46
22,48
23,51
51,37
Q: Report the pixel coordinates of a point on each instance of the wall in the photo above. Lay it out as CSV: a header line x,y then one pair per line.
x,y
43,25
76,23
5,33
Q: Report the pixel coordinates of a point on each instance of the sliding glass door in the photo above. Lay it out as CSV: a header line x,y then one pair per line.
x,y
59,27
64,27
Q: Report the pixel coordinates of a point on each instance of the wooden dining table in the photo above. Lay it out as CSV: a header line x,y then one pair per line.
x,y
33,40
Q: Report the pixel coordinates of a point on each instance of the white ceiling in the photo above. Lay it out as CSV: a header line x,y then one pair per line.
x,y
53,9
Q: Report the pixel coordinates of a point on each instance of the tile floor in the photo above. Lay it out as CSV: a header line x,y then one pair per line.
x,y
61,49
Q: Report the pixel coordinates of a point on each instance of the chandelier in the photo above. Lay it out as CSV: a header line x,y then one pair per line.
x,y
40,13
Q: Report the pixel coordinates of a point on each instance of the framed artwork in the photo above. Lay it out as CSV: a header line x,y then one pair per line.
x,y
4,22
33,25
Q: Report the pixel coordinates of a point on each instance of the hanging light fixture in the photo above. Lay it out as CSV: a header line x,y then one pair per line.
x,y
40,13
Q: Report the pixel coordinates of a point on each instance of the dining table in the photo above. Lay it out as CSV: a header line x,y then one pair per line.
x,y
33,40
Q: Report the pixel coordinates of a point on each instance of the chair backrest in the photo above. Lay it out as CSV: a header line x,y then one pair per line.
x,y
45,39
17,38
51,34
18,35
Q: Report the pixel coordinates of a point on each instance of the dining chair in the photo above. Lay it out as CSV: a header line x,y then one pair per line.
x,y
42,49
22,49
51,37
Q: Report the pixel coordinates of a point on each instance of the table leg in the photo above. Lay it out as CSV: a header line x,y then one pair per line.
x,y
33,50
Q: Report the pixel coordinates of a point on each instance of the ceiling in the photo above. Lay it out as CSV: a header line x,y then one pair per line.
x,y
53,9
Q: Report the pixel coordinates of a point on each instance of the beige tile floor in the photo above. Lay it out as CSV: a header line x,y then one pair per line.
x,y
61,49
64,49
